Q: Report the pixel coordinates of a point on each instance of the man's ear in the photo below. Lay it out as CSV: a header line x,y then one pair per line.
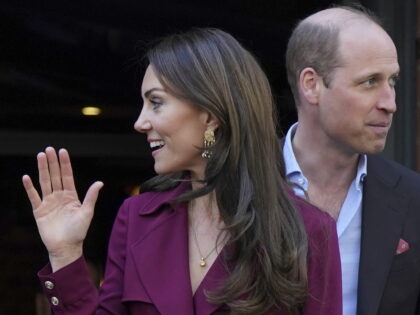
x,y
310,85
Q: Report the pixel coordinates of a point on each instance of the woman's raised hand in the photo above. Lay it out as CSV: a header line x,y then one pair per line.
x,y
62,220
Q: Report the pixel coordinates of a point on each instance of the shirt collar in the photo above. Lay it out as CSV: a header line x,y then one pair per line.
x,y
361,171
290,162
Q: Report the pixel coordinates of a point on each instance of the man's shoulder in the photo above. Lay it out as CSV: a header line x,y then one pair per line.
x,y
388,170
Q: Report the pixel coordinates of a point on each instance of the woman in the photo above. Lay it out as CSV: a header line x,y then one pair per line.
x,y
217,230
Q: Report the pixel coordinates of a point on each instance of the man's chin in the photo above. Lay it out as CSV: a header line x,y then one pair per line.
x,y
375,148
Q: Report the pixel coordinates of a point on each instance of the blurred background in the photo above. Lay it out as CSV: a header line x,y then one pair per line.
x,y
60,58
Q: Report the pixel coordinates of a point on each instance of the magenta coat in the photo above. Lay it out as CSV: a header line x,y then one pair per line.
x,y
147,271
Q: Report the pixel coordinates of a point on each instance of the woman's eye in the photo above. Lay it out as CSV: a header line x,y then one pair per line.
x,y
155,102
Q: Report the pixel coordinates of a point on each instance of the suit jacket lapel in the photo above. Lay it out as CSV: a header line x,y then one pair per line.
x,y
161,259
382,220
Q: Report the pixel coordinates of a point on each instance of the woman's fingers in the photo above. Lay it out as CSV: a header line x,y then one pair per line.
x,y
44,174
54,168
66,170
31,192
92,195
56,174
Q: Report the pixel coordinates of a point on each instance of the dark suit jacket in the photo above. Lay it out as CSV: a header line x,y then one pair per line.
x,y
389,284
147,269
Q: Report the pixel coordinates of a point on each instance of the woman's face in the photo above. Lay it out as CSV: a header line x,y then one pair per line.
x,y
174,128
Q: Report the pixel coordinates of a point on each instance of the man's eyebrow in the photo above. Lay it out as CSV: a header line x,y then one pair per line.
x,y
148,92
375,75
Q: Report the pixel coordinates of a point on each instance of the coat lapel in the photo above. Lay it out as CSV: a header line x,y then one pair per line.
x,y
160,252
211,282
382,220
161,260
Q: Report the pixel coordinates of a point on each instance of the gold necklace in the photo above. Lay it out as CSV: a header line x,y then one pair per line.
x,y
202,257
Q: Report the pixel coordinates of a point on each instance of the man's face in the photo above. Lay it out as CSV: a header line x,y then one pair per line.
x,y
355,111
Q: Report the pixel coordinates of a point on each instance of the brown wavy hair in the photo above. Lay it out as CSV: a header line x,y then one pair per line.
x,y
210,69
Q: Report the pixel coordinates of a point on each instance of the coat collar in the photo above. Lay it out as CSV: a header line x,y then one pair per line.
x,y
160,199
382,222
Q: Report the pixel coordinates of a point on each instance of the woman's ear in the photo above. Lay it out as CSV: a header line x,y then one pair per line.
x,y
310,85
209,120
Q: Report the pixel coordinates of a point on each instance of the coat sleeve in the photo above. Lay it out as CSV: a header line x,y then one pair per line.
x,y
324,268
70,290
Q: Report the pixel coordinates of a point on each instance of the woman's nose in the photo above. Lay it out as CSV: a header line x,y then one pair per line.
x,y
142,124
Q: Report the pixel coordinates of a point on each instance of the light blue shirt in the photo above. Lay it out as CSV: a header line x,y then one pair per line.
x,y
348,223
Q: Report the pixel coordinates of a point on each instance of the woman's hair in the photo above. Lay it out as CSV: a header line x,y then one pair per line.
x,y
210,69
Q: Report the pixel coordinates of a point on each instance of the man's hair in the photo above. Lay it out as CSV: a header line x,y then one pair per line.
x,y
316,45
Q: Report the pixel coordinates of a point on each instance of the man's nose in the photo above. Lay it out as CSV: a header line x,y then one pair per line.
x,y
387,99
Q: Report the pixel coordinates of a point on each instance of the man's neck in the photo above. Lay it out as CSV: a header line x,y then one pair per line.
x,y
321,163
328,170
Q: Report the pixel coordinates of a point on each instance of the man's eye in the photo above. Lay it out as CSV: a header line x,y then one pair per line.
x,y
370,82
393,81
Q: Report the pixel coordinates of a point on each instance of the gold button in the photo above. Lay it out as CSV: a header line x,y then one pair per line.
x,y
54,301
49,285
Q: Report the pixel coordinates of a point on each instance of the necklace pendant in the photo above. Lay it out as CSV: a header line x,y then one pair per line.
x,y
202,262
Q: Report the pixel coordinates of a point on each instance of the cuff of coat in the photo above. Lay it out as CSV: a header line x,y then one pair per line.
x,y
67,285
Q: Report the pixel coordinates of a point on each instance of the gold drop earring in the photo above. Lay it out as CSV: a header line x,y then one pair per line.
x,y
209,141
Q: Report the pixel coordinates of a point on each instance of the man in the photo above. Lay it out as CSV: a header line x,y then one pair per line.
x,y
342,68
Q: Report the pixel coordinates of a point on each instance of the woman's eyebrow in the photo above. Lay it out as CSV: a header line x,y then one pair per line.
x,y
147,93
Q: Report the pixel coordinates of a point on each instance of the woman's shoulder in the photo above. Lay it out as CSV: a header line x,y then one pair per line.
x,y
150,201
147,208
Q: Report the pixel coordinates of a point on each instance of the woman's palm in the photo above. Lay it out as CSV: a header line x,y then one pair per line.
x,y
62,220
